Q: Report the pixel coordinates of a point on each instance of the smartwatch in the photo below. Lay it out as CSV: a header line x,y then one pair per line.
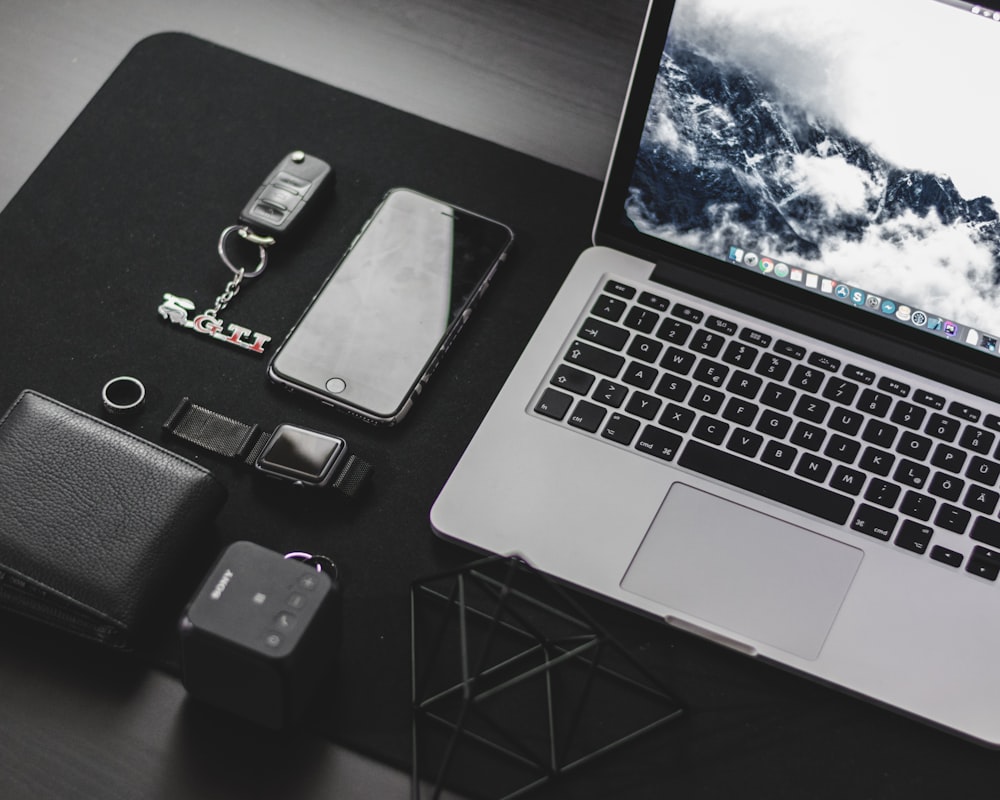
x,y
290,453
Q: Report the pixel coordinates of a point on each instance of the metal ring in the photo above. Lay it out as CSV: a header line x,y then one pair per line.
x,y
322,563
263,242
123,395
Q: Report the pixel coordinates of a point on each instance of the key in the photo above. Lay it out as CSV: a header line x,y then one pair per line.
x,y
797,493
286,192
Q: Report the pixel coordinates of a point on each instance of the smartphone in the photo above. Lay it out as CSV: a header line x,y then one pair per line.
x,y
375,331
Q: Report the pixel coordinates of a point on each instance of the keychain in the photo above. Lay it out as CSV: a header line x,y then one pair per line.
x,y
275,206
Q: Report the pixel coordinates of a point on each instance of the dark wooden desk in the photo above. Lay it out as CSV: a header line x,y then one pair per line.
x,y
545,77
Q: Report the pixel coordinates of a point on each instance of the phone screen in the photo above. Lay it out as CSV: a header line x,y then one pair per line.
x,y
375,327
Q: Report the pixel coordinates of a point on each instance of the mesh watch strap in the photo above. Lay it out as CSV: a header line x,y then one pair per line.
x,y
228,437
212,431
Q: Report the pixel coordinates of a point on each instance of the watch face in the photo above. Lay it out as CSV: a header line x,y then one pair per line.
x,y
301,455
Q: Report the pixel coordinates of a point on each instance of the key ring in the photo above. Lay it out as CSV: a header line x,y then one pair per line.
x,y
263,242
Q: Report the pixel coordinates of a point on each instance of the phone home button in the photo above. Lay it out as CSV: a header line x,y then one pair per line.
x,y
336,385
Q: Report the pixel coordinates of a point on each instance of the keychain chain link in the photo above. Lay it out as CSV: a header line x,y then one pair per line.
x,y
223,300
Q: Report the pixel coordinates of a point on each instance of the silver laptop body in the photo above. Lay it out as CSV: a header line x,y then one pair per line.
x,y
763,407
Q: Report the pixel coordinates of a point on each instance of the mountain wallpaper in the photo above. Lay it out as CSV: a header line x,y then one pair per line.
x,y
735,154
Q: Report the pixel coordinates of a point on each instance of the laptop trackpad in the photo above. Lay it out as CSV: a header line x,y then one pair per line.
x,y
760,578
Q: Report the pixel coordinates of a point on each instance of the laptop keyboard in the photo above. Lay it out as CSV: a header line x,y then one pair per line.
x,y
821,432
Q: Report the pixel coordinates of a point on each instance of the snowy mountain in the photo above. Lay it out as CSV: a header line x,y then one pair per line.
x,y
725,160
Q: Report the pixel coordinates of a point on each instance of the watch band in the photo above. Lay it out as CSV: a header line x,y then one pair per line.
x,y
231,438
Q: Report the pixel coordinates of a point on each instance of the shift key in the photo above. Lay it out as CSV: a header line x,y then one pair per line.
x,y
987,531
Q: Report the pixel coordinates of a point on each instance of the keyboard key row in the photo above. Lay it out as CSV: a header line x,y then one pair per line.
x,y
804,428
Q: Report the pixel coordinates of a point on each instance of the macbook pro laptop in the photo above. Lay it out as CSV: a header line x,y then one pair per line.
x,y
763,406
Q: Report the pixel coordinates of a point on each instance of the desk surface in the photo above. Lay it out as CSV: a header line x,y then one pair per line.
x,y
545,78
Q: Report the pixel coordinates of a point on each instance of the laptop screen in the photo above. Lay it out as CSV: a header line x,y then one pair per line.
x,y
841,149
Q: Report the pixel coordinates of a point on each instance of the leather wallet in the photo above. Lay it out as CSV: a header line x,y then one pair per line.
x,y
93,519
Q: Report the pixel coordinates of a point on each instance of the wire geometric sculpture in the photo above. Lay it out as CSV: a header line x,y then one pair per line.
x,y
515,685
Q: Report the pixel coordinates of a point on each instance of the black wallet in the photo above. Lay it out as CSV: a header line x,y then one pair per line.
x,y
93,519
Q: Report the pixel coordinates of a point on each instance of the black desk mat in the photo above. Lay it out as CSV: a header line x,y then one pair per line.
x,y
129,205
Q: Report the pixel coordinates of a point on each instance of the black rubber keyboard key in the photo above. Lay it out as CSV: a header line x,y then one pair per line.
x,y
707,400
711,372
677,360
909,415
777,396
982,500
707,343
620,429
766,482
859,374
609,308
675,331
952,518
984,563
721,325
986,530
573,380
882,493
874,402
879,433
610,393
673,388
874,521
755,337
654,301
643,405
913,446
847,480
846,421
587,416
840,391
928,399
791,350
639,374
914,537
946,556
744,384
658,442
620,289
553,404
677,417
965,412
949,458
603,333
892,386
920,506
941,427
877,461
745,443
829,363
806,378
593,358
983,471
688,313
711,430
772,366
977,440
645,348
641,319
740,355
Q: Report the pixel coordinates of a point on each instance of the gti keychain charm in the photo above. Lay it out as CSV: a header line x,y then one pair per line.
x,y
276,204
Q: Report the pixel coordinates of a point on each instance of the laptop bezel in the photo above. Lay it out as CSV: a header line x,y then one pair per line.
x,y
777,301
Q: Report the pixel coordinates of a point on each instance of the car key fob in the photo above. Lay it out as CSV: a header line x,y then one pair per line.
x,y
286,192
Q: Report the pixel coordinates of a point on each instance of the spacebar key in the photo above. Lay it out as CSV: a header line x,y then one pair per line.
x,y
767,482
